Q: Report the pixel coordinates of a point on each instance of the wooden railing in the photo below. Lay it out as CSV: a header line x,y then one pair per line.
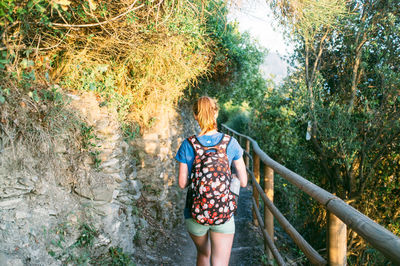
x,y
340,213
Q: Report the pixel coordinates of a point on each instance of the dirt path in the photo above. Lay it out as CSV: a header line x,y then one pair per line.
x,y
247,244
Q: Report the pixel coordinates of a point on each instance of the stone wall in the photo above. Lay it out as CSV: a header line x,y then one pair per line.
x,y
121,193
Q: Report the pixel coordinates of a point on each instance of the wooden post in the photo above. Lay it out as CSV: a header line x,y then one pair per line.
x,y
268,216
337,241
256,171
247,159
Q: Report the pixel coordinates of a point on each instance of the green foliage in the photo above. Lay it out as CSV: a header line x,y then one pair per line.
x,y
346,104
146,57
3,60
81,251
234,74
235,116
86,238
3,94
88,136
308,18
119,258
89,143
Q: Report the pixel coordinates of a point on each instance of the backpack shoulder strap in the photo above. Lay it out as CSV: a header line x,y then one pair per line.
x,y
195,143
223,144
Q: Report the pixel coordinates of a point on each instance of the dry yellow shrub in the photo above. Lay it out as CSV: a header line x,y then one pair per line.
x,y
138,62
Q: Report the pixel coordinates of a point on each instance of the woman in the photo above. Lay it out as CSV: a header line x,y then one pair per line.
x,y
212,236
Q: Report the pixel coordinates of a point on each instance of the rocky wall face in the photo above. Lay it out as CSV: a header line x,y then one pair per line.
x,y
77,203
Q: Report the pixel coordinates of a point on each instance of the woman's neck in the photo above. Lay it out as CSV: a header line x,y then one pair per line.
x,y
211,132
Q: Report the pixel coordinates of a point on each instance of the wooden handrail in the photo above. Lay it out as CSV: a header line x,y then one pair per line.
x,y
308,250
248,155
270,242
377,236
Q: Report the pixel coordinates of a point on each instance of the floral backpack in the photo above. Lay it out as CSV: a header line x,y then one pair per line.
x,y
210,199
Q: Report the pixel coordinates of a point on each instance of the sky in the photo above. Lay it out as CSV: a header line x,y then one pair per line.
x,y
255,16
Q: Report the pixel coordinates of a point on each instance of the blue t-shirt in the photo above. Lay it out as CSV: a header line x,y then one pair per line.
x,y
186,154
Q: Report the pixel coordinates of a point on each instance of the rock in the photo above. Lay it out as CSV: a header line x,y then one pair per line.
x,y
28,182
96,186
101,124
10,204
151,147
60,147
151,258
15,262
150,137
114,138
103,193
134,187
107,145
102,240
73,219
143,223
52,212
88,160
166,259
130,169
21,215
106,131
117,177
125,199
124,146
41,188
7,260
111,164
133,175
137,196
151,143
105,155
164,151
73,97
44,147
115,194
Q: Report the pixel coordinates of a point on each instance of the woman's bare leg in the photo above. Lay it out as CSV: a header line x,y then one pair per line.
x,y
221,245
203,249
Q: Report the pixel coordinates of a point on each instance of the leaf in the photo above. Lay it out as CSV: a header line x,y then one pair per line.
x,y
26,63
92,5
35,96
2,99
92,86
63,3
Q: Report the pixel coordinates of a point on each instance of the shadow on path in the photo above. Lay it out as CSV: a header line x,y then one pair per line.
x,y
248,244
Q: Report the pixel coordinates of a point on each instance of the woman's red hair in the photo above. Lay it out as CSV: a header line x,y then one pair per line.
x,y
206,110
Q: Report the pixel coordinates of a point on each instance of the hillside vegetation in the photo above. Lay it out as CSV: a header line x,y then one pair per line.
x,y
134,55
335,119
88,129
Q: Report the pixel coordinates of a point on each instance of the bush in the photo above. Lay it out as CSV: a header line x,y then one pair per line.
x,y
235,116
134,56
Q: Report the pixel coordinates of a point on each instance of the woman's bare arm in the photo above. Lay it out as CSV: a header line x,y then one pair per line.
x,y
183,175
241,171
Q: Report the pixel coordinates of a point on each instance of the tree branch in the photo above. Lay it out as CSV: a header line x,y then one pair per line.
x,y
130,9
318,58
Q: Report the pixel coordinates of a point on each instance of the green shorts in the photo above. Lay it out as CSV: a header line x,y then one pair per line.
x,y
200,229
